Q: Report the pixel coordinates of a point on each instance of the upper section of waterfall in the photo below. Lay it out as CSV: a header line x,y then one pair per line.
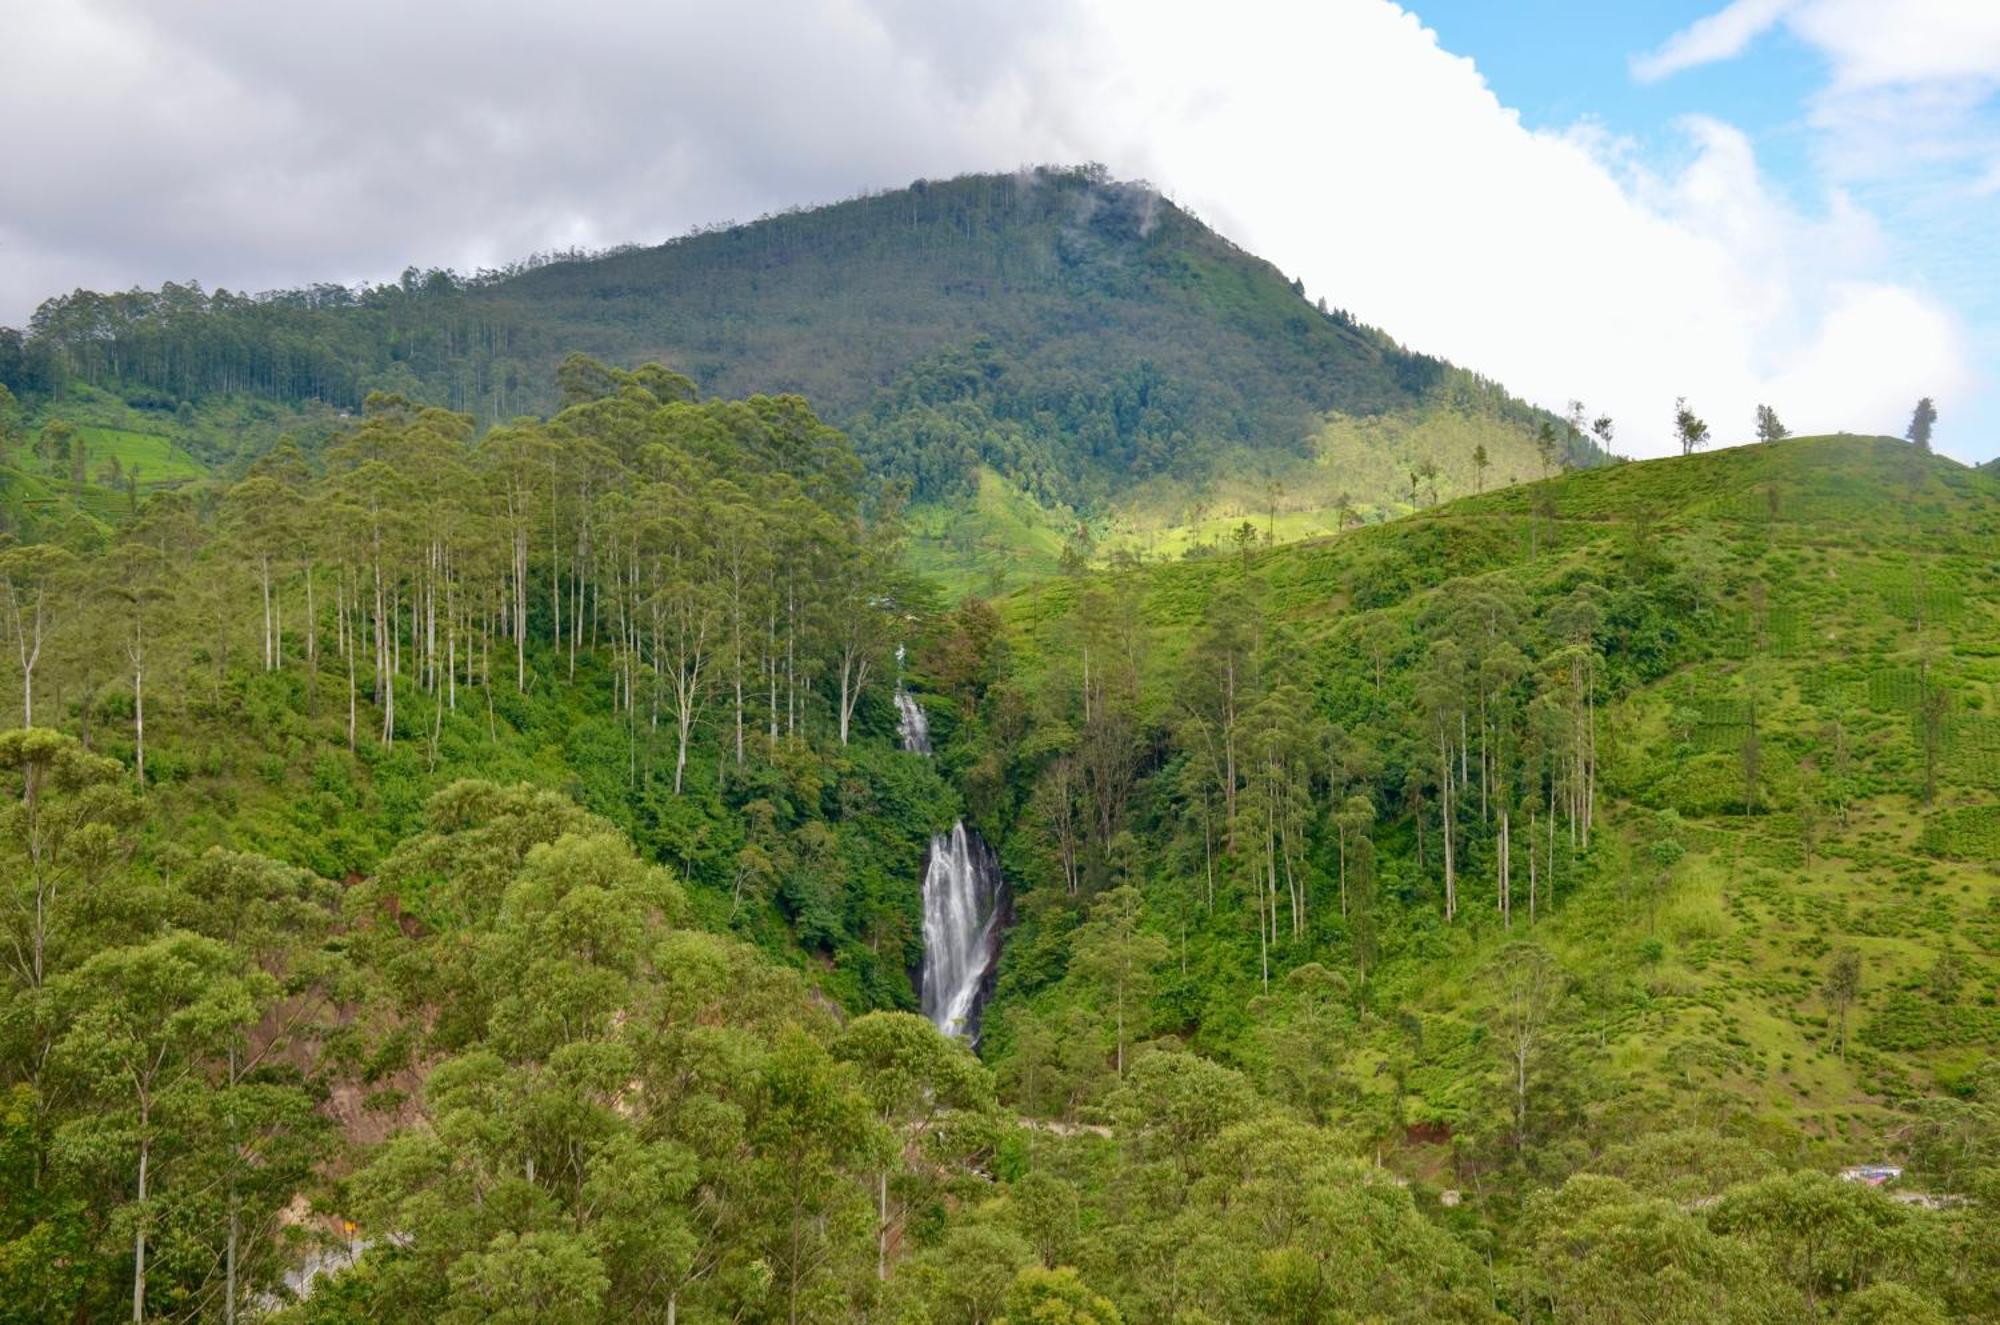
x,y
912,727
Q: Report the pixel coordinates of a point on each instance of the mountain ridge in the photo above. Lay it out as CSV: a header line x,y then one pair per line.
x,y
1076,334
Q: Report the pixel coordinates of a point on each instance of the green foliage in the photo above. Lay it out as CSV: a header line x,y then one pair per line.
x,y
1400,931
1072,335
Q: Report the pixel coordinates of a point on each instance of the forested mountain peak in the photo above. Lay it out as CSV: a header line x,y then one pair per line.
x,y
1072,333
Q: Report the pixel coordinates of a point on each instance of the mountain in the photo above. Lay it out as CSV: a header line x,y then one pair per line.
x,y
1081,348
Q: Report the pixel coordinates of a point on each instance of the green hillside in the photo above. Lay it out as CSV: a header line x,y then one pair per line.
x,y
492,853
1772,674
1079,337
1794,648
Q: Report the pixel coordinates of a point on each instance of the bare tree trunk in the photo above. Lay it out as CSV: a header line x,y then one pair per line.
x,y
1342,829
229,1274
264,582
139,1233
853,676
1531,866
139,721
1450,869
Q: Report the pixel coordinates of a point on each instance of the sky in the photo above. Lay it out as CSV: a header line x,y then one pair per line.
x,y
1766,201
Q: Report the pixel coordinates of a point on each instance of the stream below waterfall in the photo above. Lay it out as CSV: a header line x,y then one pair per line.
x,y
965,905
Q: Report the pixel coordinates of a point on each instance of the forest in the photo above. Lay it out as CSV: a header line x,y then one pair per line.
x,y
1071,333
467,870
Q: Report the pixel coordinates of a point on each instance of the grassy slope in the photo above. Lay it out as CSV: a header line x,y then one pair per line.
x,y
154,456
1369,459
1000,537
997,538
1852,540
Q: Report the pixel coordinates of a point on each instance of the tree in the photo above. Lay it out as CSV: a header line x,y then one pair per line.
x,y
62,830
35,579
909,1072
1545,446
1531,987
964,1278
10,421
1822,1236
1117,956
1842,988
276,917
1441,692
1479,465
136,586
1353,819
1606,1253
1689,428
1056,1297
1922,420
1045,1209
1429,470
538,1278
862,625
812,1129
149,1021
1768,427
1602,428
57,439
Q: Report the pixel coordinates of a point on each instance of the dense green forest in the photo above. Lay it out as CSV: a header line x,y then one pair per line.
x,y
477,870
1072,334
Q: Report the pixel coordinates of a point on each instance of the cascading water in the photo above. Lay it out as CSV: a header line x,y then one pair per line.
x,y
965,903
911,724
962,897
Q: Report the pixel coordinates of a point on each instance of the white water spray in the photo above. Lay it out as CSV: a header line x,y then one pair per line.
x,y
964,905
912,727
961,929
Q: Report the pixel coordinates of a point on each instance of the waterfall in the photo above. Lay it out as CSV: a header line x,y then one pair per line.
x,y
962,914
965,905
911,725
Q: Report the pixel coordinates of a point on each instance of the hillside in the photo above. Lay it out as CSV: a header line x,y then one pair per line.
x,y
1660,801
1793,649
1109,357
493,857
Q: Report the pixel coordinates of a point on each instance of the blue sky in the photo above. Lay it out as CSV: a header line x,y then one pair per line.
x,y
1560,63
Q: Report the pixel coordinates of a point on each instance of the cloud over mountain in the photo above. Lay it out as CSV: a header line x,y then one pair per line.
x,y
256,146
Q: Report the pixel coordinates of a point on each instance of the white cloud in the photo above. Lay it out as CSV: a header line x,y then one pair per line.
x,y
256,145
1873,43
1723,35
1341,142
1908,117
1906,78
1869,43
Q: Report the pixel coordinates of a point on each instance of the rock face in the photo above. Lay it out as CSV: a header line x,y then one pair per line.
x,y
965,908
